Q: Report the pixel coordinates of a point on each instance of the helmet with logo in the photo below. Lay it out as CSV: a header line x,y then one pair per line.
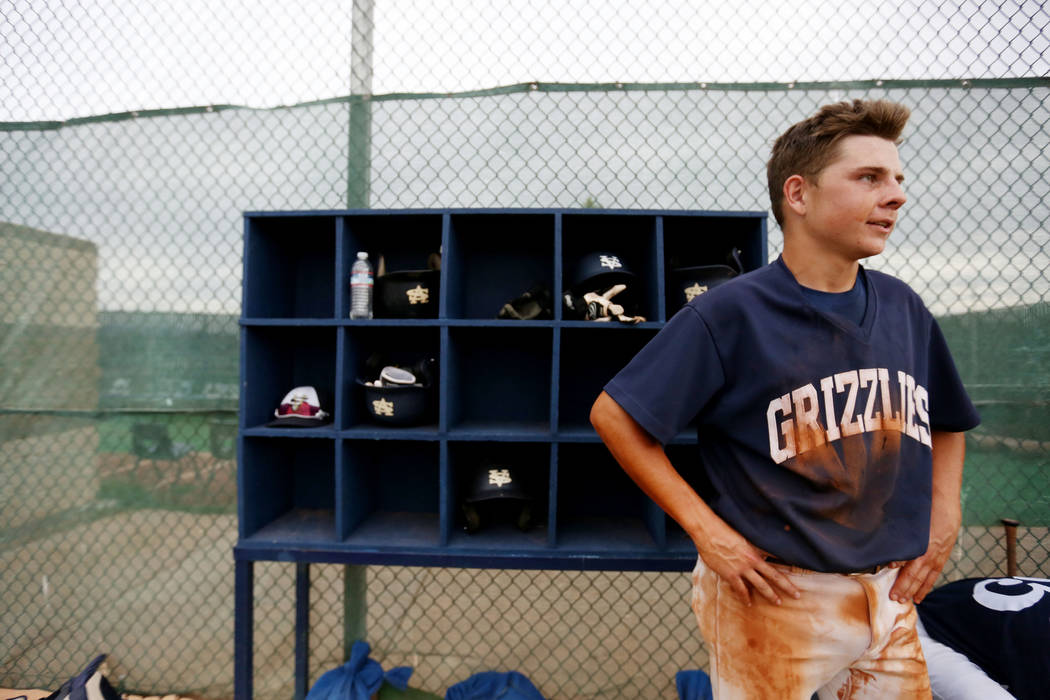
x,y
496,494
692,281
408,293
400,389
598,272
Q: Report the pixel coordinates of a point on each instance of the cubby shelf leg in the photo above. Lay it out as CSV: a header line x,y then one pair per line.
x,y
243,622
302,629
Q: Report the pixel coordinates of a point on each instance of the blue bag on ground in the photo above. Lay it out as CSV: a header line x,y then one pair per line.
x,y
494,685
693,685
358,679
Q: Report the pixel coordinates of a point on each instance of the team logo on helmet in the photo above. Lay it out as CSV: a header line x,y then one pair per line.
x,y
418,295
693,292
382,407
500,477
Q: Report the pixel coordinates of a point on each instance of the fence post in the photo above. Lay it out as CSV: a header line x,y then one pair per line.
x,y
358,193
359,153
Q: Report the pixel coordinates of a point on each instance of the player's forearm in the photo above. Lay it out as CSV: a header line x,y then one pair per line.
x,y
643,459
949,451
919,575
724,550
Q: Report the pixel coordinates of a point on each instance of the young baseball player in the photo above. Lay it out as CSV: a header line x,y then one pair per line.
x,y
830,419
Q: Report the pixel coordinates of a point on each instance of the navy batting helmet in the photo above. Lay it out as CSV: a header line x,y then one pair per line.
x,y
690,282
398,391
497,493
598,272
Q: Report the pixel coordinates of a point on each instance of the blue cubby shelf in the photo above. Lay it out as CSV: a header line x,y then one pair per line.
x,y
517,392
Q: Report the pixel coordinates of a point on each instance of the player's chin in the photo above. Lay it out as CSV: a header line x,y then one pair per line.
x,y
873,244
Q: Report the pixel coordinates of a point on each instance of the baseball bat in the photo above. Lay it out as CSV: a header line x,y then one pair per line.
x,y
1011,545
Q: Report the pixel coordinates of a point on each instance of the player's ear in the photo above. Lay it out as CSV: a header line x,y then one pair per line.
x,y
795,194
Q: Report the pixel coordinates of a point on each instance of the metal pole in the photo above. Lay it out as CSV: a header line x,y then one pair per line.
x,y
359,165
358,194
355,606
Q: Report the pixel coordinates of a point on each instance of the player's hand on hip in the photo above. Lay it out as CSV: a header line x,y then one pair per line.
x,y
918,576
744,567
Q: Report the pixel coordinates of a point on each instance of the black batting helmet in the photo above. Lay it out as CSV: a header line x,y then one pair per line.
x,y
497,493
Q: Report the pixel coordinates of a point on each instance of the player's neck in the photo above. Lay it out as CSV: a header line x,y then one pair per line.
x,y
820,270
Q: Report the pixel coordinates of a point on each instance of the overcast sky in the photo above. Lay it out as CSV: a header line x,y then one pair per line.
x,y
61,59
142,189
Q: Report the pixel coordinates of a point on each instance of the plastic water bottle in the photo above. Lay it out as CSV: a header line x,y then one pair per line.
x,y
361,287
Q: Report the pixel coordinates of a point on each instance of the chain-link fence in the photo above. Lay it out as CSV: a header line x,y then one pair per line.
x,y
120,264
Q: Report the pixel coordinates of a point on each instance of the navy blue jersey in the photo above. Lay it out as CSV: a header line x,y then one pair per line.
x,y
849,305
1000,624
814,432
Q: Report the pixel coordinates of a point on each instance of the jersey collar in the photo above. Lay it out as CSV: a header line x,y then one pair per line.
x,y
862,332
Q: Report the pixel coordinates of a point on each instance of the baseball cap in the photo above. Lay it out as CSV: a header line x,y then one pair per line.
x,y
300,408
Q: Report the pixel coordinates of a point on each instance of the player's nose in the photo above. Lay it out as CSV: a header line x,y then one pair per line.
x,y
894,196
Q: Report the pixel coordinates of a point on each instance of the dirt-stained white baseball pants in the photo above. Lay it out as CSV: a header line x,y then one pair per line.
x,y
843,639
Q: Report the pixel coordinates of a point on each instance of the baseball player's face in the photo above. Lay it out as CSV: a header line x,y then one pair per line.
x,y
852,205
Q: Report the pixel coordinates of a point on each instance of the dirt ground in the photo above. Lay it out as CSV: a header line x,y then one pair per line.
x,y
153,588
136,583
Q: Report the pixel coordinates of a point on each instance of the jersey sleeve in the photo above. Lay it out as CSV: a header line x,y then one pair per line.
x,y
670,379
950,405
